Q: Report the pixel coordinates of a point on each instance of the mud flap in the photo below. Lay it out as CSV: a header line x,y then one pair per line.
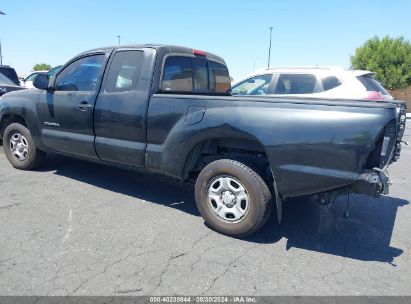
x,y
278,200
279,203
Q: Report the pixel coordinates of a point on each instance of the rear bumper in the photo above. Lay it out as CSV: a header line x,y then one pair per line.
x,y
372,182
376,181
401,121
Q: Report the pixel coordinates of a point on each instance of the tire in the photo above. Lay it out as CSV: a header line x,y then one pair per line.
x,y
20,149
219,192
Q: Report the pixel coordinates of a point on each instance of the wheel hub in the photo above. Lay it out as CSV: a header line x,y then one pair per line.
x,y
19,147
229,199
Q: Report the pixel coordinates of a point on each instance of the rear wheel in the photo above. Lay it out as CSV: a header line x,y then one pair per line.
x,y
20,149
232,198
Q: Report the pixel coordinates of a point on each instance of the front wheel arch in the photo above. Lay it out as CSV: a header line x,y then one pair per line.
x,y
8,119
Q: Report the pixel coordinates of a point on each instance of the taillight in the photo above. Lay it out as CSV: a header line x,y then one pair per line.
x,y
373,95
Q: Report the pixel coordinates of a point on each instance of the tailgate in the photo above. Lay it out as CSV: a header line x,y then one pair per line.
x,y
401,120
375,180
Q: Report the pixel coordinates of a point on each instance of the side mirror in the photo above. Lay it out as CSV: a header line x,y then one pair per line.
x,y
41,81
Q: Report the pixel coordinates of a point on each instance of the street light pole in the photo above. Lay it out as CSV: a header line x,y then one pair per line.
x,y
1,55
269,48
118,40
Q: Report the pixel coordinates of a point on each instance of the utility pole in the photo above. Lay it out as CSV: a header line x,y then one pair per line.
x,y
118,40
269,48
1,55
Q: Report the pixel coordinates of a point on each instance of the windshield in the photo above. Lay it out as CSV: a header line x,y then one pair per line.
x,y
5,81
54,70
31,77
10,74
257,85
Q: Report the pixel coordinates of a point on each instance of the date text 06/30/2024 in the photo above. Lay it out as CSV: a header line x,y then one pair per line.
x,y
203,299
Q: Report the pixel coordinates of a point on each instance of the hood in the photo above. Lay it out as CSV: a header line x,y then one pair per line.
x,y
6,88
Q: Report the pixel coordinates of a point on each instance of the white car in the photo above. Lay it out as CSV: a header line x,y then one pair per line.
x,y
320,82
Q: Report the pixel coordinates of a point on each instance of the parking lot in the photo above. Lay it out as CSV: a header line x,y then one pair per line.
x,y
78,228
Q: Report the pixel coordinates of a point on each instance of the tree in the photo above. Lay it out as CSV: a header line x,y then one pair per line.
x,y
41,67
389,58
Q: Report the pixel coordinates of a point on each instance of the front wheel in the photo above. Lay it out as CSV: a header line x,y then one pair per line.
x,y
232,198
20,149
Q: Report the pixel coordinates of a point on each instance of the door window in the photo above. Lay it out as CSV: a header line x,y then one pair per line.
x,y
296,84
80,75
124,71
257,85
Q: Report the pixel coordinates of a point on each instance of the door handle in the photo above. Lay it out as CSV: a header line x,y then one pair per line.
x,y
84,106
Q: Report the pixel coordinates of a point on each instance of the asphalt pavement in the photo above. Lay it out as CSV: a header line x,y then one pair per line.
x,y
79,228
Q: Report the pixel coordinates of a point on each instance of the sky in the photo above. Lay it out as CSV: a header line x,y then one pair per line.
x,y
305,32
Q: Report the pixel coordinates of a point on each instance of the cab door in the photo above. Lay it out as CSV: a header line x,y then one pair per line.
x,y
66,111
120,118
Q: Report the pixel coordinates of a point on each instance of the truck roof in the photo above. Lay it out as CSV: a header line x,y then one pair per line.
x,y
163,48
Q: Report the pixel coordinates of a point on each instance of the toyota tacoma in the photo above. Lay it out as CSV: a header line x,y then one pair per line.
x,y
169,110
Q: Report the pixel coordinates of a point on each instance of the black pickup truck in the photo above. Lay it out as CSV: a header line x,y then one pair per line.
x,y
168,109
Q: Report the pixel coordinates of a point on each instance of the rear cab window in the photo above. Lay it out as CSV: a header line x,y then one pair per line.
x,y
194,75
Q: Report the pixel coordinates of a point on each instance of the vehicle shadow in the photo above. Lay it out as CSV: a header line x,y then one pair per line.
x,y
141,185
364,235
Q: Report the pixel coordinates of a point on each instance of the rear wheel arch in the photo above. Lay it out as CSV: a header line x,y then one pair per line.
x,y
250,151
